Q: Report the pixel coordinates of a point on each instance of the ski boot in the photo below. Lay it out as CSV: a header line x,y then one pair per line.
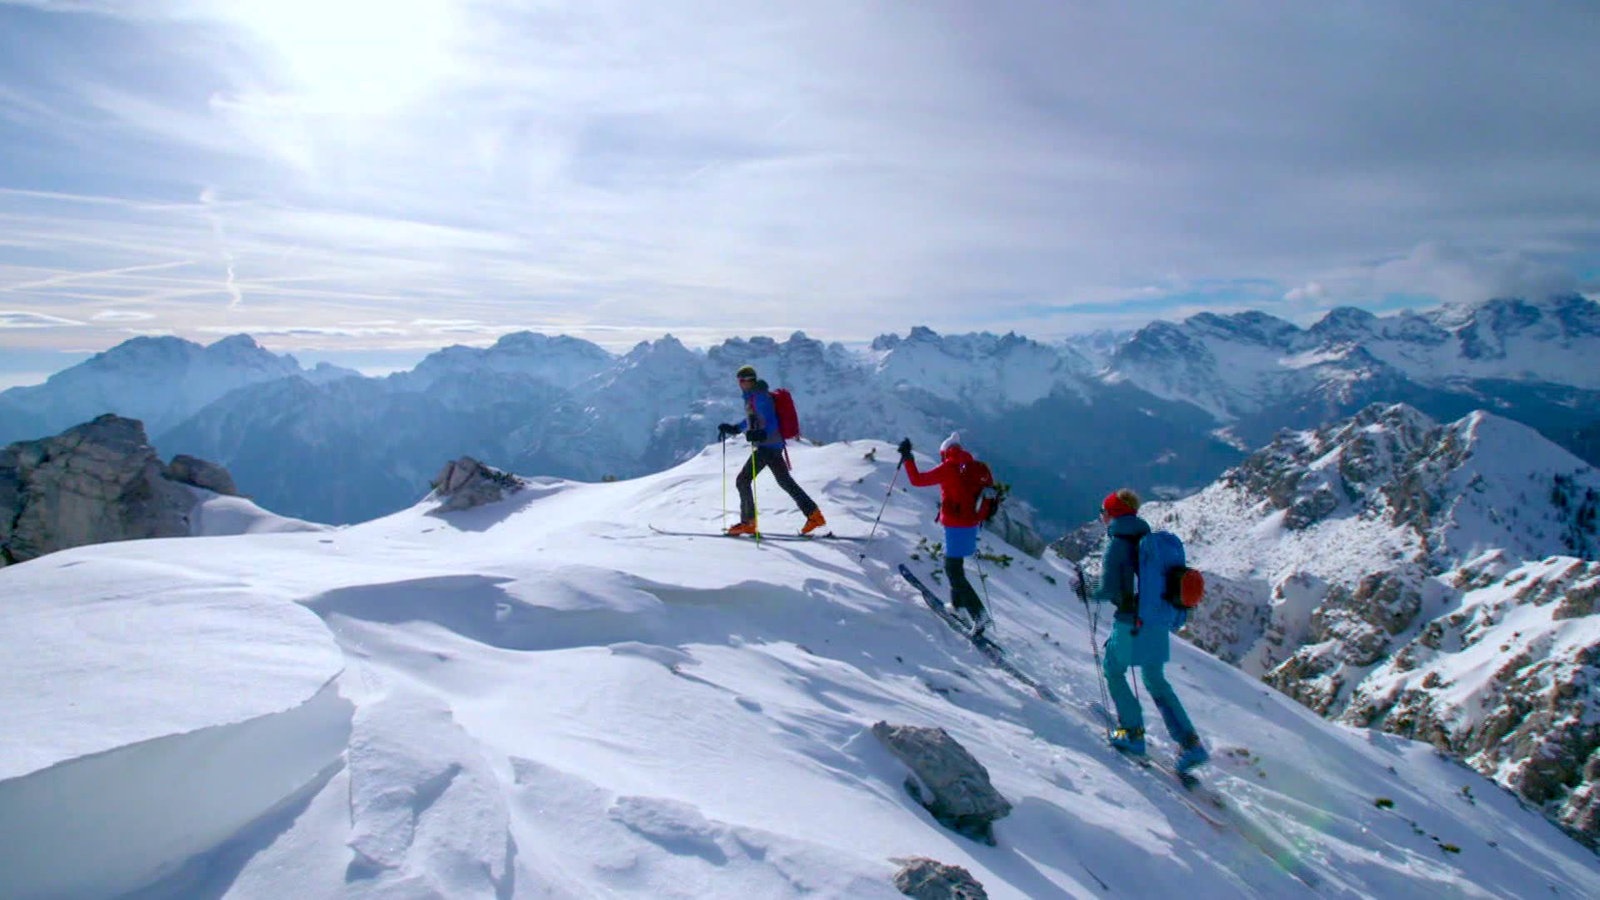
x,y
1129,741
1192,755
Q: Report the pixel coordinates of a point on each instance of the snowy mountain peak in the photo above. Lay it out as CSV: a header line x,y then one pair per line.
x,y
1345,323
158,380
236,347
561,361
1483,481
144,352
1250,326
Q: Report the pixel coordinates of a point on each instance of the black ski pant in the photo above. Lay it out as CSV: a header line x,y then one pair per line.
x,y
768,458
962,596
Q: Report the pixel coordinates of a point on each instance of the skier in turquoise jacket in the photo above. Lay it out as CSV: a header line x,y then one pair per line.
x,y
1132,644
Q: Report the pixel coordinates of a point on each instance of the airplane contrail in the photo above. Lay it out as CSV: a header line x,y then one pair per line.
x,y
69,277
207,198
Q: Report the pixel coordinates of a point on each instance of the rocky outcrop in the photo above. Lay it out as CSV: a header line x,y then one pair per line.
x,y
927,879
96,482
1014,525
464,483
946,779
1531,720
202,474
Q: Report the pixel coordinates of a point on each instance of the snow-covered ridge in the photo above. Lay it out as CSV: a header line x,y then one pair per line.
x,y
551,699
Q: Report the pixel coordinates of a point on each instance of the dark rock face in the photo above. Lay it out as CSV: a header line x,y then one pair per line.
x,y
96,482
190,470
946,779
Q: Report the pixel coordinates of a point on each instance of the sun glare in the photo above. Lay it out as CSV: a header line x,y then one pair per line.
x,y
354,56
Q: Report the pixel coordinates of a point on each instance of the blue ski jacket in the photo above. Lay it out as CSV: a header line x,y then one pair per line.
x,y
762,417
1131,641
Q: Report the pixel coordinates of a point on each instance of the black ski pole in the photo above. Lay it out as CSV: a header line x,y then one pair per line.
x,y
885,504
1094,640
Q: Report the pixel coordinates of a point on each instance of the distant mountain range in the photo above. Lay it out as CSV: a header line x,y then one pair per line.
x,y
1169,407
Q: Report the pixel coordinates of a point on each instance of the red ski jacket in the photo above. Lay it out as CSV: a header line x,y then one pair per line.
x,y
958,501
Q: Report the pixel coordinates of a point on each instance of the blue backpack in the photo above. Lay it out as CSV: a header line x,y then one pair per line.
x,y
1168,588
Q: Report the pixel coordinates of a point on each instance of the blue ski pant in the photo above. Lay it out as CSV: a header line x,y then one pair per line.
x,y
1129,715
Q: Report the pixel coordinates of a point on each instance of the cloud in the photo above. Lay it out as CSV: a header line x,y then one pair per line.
x,y
259,330
11,318
693,165
1453,275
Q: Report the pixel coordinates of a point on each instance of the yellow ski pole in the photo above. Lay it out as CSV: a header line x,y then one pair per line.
x,y
755,510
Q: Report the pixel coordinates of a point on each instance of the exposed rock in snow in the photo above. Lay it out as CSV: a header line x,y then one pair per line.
x,y
202,474
96,482
465,483
927,879
946,779
102,481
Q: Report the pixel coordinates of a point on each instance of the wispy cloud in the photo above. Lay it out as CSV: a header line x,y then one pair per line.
x,y
12,318
466,168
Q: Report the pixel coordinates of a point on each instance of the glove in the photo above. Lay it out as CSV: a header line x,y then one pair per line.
x,y
756,435
905,450
725,431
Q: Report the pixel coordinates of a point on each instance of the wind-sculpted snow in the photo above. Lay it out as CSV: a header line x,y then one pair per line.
x,y
105,824
149,715
119,644
550,699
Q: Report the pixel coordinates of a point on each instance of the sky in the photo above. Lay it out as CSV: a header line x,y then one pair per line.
x,y
544,697
389,176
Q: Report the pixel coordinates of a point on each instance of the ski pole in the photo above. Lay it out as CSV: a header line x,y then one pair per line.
x,y
1094,640
983,578
755,511
724,482
885,503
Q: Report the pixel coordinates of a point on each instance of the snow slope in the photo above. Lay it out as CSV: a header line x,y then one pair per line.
x,y
545,698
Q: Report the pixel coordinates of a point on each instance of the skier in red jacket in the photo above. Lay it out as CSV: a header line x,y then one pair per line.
x,y
961,513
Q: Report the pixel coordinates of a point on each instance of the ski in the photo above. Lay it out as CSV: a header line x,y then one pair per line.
x,y
987,647
1212,806
764,536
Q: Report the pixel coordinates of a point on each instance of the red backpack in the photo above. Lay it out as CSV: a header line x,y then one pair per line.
x,y
788,419
978,490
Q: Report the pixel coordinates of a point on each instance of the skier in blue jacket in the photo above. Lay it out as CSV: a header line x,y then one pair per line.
x,y
1133,644
761,430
